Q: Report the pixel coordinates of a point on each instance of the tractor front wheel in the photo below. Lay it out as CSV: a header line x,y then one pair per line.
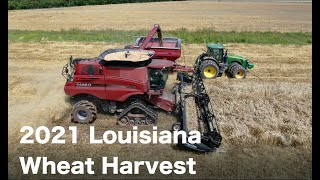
x,y
237,71
209,69
83,112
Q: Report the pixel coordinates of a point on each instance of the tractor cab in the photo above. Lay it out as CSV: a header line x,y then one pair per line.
x,y
217,52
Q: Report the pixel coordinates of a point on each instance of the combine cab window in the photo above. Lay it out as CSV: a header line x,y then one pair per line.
x,y
157,79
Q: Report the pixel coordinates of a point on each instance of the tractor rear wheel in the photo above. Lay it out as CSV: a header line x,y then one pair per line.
x,y
83,112
209,69
237,71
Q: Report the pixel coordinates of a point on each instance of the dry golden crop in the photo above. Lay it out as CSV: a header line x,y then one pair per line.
x,y
220,16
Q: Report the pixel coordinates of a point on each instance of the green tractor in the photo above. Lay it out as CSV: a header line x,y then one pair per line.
x,y
215,61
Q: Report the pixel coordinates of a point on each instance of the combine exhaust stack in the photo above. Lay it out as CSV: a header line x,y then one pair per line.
x,y
211,138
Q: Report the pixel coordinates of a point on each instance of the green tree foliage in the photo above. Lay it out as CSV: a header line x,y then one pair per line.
x,y
36,4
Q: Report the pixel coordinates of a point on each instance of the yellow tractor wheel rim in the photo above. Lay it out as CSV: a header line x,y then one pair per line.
x,y
240,74
209,71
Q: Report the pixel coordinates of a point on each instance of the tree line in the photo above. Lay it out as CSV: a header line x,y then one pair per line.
x,y
36,4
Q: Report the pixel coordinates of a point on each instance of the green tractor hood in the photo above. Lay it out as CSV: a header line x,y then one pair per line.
x,y
241,60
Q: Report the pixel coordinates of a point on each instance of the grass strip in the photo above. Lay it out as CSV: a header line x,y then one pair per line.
x,y
197,37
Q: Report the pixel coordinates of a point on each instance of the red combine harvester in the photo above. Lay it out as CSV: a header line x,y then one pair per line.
x,y
130,83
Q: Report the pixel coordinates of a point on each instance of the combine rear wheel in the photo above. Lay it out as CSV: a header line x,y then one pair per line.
x,y
237,71
83,112
209,69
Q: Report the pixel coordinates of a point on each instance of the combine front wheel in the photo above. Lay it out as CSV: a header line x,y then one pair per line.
x,y
209,69
83,112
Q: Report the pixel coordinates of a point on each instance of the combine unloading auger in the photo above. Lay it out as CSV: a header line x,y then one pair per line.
x,y
211,138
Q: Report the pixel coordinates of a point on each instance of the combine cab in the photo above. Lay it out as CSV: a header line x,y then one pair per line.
x,y
130,83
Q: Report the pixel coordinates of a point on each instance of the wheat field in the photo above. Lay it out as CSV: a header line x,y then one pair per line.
x,y
192,15
265,120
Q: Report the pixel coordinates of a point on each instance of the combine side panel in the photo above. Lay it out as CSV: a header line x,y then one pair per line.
x,y
123,82
166,101
87,79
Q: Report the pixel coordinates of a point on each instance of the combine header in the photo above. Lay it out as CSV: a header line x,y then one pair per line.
x,y
130,83
211,138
